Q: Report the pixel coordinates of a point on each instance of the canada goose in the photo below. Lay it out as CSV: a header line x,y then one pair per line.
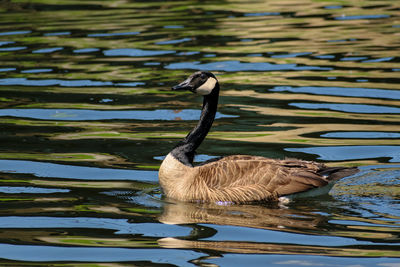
x,y
238,178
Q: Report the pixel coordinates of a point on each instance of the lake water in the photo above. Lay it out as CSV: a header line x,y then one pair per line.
x,y
87,115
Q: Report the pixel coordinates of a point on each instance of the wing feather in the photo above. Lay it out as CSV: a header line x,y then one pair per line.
x,y
243,178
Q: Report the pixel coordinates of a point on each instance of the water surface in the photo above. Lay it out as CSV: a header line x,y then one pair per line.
x,y
87,115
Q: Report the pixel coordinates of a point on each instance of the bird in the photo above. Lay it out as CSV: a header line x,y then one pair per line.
x,y
236,179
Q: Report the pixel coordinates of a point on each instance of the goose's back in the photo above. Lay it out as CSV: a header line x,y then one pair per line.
x,y
242,178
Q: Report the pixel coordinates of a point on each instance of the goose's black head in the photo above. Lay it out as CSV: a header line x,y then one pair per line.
x,y
200,82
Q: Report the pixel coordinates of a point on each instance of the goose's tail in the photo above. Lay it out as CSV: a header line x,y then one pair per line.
x,y
336,173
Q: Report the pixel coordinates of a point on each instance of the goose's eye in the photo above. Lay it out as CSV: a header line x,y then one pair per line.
x,y
203,76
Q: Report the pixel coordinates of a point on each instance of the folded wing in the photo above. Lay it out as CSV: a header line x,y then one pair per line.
x,y
243,178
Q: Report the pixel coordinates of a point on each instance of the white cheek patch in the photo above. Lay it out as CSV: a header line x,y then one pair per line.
x,y
206,87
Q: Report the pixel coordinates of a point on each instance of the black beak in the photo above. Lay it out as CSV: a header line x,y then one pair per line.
x,y
185,85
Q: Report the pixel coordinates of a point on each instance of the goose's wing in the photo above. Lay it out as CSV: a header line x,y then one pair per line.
x,y
244,178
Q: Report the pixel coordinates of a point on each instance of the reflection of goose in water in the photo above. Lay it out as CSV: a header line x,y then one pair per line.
x,y
306,231
204,218
270,217
238,178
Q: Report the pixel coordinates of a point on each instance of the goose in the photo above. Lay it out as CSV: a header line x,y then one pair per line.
x,y
236,178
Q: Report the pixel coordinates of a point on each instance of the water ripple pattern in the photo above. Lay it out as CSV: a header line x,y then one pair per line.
x,y
87,116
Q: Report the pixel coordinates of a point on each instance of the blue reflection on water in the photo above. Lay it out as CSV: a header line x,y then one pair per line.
x,y
48,50
86,50
382,59
6,42
36,70
356,17
341,91
337,153
44,169
352,58
112,34
131,52
52,82
56,33
89,115
10,49
229,232
177,41
59,82
7,69
234,65
367,135
121,226
95,254
325,56
14,33
30,190
352,108
333,7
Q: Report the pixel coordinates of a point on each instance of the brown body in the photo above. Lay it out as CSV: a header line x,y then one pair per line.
x,y
244,179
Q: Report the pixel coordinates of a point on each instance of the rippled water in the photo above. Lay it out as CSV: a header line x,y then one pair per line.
x,y
87,115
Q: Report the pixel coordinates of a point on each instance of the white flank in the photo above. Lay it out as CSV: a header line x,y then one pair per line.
x,y
206,87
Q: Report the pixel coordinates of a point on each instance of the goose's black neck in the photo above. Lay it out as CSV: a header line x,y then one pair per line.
x,y
186,149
